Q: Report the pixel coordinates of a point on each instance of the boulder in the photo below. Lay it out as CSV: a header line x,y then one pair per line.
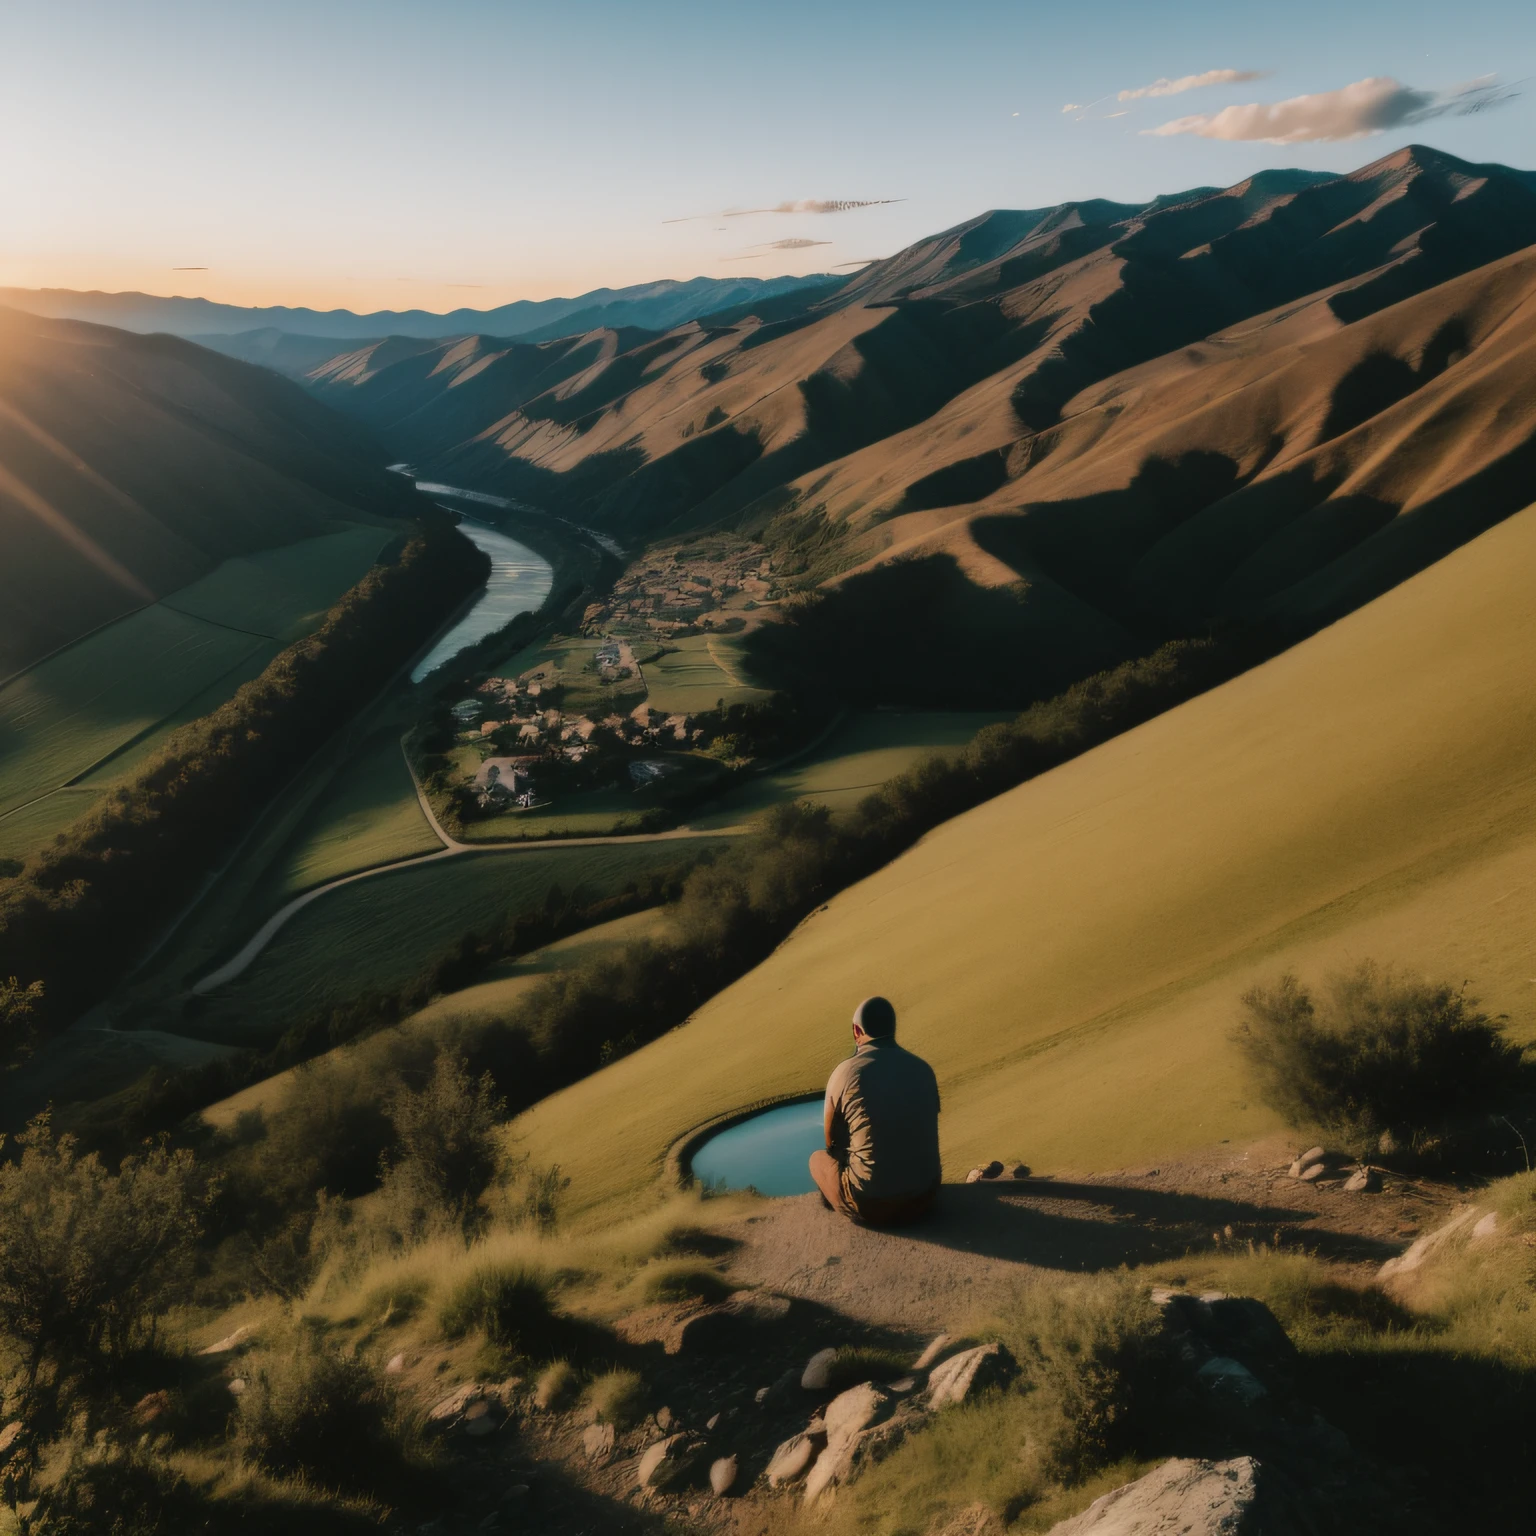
x,y
784,1387
831,1468
1223,1374
8,1437
1312,1173
452,1407
1196,1498
237,1386
1485,1226
728,1324
969,1372
669,1461
934,1348
1423,1248
793,1458
481,1418
597,1442
1309,1157
664,1420
722,1476
395,1366
229,1342
817,1375
1363,1181
850,1413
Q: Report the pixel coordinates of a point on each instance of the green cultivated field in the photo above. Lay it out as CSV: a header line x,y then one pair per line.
x,y
566,661
100,708
384,932
860,755
73,709
369,815
696,674
1070,955
504,986
283,593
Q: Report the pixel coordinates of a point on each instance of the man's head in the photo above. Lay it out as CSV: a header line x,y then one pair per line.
x,y
874,1019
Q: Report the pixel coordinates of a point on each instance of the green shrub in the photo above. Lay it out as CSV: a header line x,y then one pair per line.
x,y
682,1281
509,1303
101,1487
1380,1056
317,1413
89,1257
1100,1373
617,1398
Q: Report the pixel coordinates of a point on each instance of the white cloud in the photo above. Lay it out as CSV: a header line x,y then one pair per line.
x,y
1072,106
1167,87
803,205
1358,110
798,244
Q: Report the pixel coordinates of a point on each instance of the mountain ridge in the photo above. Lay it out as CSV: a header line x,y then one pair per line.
x,y
663,304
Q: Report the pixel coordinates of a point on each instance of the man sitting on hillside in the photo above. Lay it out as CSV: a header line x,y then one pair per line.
x,y
881,1164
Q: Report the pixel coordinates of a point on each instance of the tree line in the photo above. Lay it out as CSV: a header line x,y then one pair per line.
x,y
81,910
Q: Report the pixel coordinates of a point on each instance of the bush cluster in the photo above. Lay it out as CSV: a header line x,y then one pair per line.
x,y
1382,1061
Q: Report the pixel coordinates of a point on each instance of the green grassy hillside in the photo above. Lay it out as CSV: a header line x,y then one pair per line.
x,y
1069,956
382,933
130,466
79,721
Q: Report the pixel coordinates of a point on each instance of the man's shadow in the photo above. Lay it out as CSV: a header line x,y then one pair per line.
x,y
1086,1227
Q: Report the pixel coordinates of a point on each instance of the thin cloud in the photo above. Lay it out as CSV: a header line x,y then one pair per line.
x,y
803,205
1167,87
189,269
798,244
1354,112
868,261
1071,106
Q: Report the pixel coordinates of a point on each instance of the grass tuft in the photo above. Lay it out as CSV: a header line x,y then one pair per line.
x,y
683,1281
557,1386
617,1398
509,1303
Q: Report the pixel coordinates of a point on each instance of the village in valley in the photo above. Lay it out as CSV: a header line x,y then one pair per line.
x,y
626,705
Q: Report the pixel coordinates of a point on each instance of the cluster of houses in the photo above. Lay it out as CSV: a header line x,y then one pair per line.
x,y
672,590
504,781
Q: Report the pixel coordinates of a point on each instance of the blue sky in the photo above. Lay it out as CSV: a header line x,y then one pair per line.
x,y
469,152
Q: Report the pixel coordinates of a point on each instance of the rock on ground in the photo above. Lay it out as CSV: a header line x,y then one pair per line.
x,y
722,1476
668,1461
931,1352
793,1458
817,1375
1195,1498
971,1371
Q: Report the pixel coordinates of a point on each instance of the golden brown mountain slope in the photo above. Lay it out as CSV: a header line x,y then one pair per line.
x,y
1265,403
131,465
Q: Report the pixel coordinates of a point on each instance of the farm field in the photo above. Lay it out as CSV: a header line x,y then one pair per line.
x,y
1070,955
860,755
382,933
698,672
567,662
283,593
368,815
505,984
70,711
98,709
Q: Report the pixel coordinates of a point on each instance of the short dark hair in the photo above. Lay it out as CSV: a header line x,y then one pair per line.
x,y
876,1018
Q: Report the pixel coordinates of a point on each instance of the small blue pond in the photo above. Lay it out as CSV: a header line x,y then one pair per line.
x,y
768,1153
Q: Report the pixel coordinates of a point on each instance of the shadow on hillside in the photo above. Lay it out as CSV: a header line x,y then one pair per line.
x,y
1087,1227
